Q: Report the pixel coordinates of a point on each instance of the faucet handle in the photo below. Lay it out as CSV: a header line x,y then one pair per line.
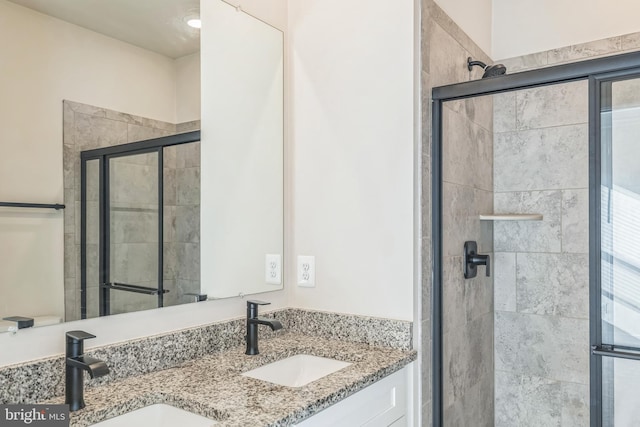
x,y
255,302
78,336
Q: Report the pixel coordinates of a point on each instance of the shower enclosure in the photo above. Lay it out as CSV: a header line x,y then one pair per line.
x,y
140,225
539,169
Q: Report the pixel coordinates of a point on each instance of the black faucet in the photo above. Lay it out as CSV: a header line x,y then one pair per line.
x,y
76,362
252,325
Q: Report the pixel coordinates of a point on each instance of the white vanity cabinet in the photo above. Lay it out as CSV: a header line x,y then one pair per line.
x,y
382,404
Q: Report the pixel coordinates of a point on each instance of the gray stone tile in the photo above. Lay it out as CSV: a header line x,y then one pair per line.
x,y
504,281
188,155
135,185
426,360
188,255
134,226
528,236
504,112
171,297
585,50
461,209
97,132
560,155
447,58
467,358
630,41
426,413
553,284
170,187
474,408
69,256
525,62
188,224
69,161
187,287
93,265
575,221
142,133
127,302
545,346
158,124
478,110
86,109
188,126
527,401
426,279
555,105
169,226
93,222
71,304
188,186
93,309
171,262
123,117
467,152
68,124
69,211
134,262
574,405
169,155
454,316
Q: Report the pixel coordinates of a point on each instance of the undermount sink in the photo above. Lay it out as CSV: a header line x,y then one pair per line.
x,y
297,371
158,415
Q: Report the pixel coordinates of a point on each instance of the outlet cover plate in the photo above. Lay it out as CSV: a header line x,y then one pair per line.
x,y
273,269
306,271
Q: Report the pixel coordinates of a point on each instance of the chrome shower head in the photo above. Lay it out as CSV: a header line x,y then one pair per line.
x,y
489,70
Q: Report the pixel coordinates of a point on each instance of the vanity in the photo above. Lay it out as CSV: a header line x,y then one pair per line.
x,y
200,370
372,390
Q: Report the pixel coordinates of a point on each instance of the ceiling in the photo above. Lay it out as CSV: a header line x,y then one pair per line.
x,y
156,25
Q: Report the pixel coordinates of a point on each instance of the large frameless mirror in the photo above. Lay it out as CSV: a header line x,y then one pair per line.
x,y
138,225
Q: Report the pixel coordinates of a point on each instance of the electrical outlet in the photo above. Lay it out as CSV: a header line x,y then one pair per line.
x,y
307,271
273,269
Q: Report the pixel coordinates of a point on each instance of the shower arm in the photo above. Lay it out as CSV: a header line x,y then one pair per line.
x,y
471,63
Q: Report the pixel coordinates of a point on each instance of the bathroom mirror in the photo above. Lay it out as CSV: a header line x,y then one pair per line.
x,y
124,81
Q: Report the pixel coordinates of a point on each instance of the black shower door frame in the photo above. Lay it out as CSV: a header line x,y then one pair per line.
x,y
103,155
593,70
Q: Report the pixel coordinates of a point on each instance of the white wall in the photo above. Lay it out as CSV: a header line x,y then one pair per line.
x,y
474,17
352,133
527,26
187,88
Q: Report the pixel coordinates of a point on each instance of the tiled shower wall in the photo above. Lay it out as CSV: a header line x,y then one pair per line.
x,y
542,267
87,127
468,328
541,282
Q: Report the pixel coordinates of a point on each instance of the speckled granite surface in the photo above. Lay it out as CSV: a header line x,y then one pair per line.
x,y
213,387
40,380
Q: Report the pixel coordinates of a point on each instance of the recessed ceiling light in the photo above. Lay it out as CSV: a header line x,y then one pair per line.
x,y
194,23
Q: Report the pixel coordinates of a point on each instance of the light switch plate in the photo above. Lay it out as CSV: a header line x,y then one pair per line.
x,y
306,271
273,269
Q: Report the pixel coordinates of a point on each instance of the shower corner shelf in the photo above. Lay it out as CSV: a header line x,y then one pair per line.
x,y
510,217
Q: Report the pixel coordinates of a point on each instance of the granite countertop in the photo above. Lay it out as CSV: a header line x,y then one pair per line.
x,y
213,387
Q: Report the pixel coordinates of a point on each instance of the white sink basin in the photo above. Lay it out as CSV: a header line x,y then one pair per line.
x,y
159,415
297,371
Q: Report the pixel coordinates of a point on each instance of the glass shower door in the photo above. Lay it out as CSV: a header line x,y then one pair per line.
x,y
619,235
132,239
